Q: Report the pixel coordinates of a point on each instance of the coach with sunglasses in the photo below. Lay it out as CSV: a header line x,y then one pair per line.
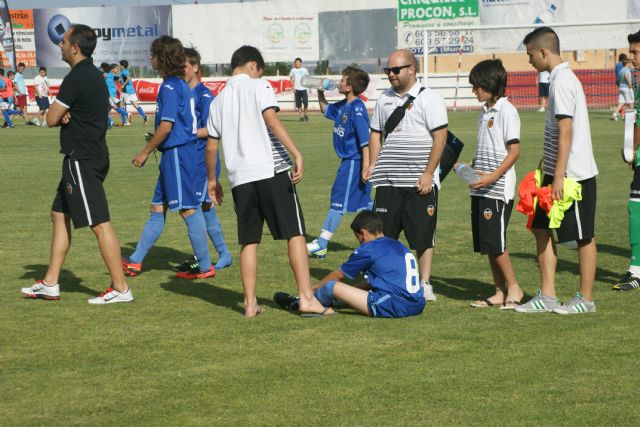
x,y
408,135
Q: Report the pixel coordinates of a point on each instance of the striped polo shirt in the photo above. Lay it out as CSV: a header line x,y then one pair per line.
x,y
405,153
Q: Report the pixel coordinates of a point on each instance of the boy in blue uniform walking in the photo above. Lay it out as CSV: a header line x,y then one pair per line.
x,y
128,92
351,142
392,287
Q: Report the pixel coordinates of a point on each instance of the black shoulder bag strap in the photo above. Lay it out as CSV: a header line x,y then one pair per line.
x,y
398,114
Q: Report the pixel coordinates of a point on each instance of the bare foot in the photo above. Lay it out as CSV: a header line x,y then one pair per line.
x,y
515,296
252,311
313,306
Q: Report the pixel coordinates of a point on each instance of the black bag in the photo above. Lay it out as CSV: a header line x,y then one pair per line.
x,y
452,148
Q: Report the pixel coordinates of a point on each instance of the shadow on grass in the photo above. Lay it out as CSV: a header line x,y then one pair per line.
x,y
614,250
159,257
318,273
212,294
602,275
69,282
333,246
461,289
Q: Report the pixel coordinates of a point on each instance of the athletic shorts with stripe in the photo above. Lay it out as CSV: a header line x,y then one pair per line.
x,y
402,208
80,192
349,193
579,220
489,221
178,185
274,200
384,304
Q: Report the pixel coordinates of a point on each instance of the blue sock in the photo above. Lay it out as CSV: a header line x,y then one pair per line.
x,y
150,234
123,114
109,122
7,119
217,238
14,112
142,114
198,236
325,293
331,224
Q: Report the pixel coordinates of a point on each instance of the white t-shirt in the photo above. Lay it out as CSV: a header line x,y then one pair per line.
x,y
405,153
235,116
566,98
498,127
298,74
543,77
42,83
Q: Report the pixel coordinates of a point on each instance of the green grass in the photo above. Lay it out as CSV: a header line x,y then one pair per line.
x,y
182,354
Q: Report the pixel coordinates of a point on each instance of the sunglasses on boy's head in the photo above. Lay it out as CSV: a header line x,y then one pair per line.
x,y
395,70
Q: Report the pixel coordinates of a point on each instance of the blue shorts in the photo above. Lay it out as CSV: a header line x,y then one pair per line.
x,y
177,185
203,178
384,304
349,193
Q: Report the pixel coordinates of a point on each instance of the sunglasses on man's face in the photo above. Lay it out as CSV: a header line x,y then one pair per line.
x,y
395,70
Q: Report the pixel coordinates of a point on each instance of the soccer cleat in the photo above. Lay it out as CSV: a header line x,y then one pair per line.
x,y
428,292
111,296
576,305
196,274
41,290
130,269
628,282
306,118
127,124
188,265
286,301
314,249
301,119
539,304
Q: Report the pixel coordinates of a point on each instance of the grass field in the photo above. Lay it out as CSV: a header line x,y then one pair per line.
x,y
182,354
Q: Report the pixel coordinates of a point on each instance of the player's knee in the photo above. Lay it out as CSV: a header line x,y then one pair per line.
x,y
187,212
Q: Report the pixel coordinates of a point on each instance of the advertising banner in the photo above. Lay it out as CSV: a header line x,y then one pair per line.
x,y
7,56
288,36
424,24
24,37
123,32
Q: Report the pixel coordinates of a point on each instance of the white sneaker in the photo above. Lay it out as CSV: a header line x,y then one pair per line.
x,y
428,292
42,290
541,110
110,296
44,124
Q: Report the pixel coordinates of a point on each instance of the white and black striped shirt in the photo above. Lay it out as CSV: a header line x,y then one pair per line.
x,y
281,159
498,127
405,153
566,99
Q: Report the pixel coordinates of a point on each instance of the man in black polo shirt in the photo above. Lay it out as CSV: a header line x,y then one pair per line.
x,y
81,109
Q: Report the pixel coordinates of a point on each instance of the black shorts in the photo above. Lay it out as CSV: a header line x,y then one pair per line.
x,y
489,221
80,192
302,97
543,89
43,102
634,192
402,208
274,200
578,223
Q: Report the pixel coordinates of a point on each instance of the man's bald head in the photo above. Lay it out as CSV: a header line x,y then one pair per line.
x,y
543,38
403,56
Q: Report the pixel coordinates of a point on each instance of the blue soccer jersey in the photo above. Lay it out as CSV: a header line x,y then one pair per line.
x,y
176,104
388,266
203,98
110,79
128,88
350,127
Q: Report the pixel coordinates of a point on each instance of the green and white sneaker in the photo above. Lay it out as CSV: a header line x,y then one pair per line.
x,y
628,282
576,305
539,304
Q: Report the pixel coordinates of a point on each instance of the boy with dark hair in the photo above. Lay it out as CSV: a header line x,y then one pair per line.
x,y
203,99
497,150
392,287
114,100
128,92
255,145
569,168
177,186
42,90
23,94
79,109
631,279
300,92
351,143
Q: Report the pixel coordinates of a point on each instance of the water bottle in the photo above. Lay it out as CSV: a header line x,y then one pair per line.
x,y
546,16
466,173
319,83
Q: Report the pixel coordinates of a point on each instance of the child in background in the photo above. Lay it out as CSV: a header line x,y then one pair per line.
x,y
351,142
497,150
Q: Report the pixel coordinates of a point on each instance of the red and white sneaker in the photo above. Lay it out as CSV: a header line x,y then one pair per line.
x,y
111,296
130,269
196,274
42,290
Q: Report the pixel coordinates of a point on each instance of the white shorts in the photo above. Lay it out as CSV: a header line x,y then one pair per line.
x,y
625,95
129,97
114,101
